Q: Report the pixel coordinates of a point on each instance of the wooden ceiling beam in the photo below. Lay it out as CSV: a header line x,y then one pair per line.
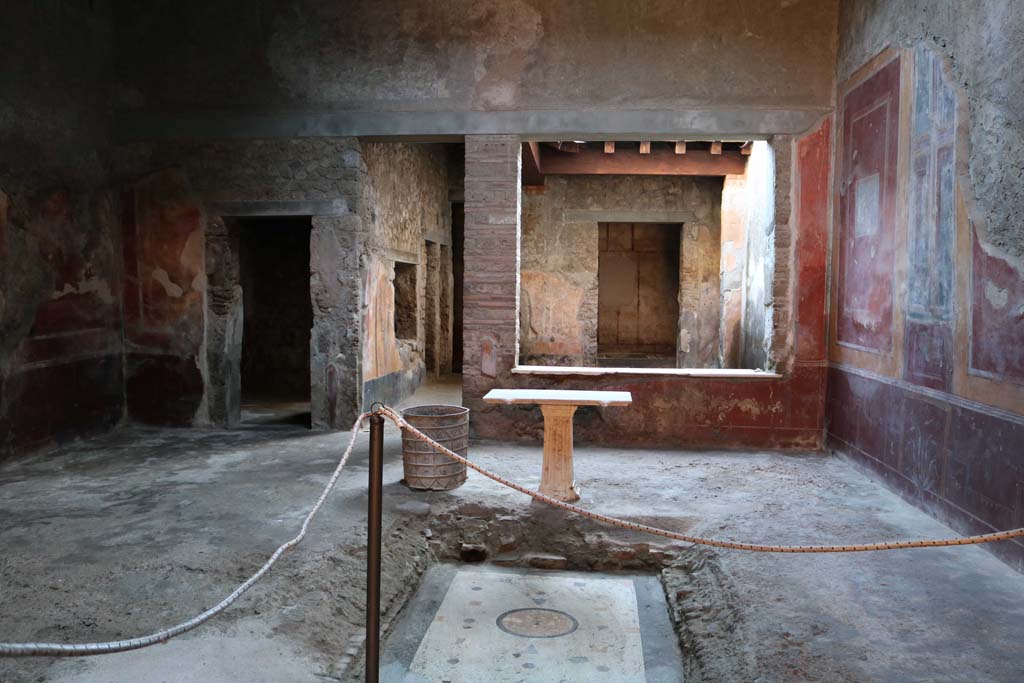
x,y
680,147
716,148
645,147
609,147
747,148
660,161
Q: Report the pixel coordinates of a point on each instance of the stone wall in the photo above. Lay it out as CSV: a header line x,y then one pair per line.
x,y
411,219
324,178
927,380
60,278
369,206
559,272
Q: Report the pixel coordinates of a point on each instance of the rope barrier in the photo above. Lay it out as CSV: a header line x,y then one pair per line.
x,y
85,649
162,636
698,540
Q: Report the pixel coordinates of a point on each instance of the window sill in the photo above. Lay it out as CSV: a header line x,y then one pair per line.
x,y
701,373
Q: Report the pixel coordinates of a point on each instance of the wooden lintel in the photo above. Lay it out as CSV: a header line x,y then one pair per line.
x,y
531,164
746,148
609,147
716,148
645,147
661,160
680,147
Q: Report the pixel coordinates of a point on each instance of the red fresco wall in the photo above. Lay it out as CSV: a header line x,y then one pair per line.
x,y
867,211
667,410
918,428
65,376
997,320
164,280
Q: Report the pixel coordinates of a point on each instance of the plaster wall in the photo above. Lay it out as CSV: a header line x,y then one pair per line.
x,y
450,58
733,268
759,270
937,409
60,299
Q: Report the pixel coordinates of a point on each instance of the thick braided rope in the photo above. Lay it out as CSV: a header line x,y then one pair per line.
x,y
756,547
83,649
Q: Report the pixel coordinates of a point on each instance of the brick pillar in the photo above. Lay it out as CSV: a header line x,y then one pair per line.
x,y
781,333
491,289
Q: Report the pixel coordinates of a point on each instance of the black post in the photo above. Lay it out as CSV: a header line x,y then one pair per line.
x,y
373,524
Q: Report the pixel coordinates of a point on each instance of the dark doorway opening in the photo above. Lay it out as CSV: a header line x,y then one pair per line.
x,y
277,319
638,294
458,270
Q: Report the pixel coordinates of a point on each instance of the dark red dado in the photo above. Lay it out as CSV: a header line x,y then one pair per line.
x,y
958,460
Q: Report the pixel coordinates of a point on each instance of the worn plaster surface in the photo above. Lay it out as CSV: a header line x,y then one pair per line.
x,y
478,56
982,41
143,527
60,371
926,380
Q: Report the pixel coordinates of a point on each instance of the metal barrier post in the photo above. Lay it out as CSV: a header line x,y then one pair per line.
x,y
373,534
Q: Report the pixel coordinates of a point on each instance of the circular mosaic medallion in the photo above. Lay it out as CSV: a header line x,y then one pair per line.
x,y
537,622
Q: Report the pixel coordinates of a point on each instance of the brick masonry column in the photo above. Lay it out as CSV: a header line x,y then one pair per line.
x,y
491,281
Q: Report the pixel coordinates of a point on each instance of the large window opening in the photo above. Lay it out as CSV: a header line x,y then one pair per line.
x,y
647,255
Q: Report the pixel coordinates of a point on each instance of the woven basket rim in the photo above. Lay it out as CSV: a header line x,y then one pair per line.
x,y
435,410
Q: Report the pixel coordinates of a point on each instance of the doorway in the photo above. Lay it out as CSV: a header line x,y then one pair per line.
x,y
458,276
277,319
638,286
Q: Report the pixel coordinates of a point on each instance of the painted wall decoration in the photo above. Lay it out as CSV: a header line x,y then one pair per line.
x,y
867,211
380,346
59,321
80,318
931,429
997,314
164,286
931,229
